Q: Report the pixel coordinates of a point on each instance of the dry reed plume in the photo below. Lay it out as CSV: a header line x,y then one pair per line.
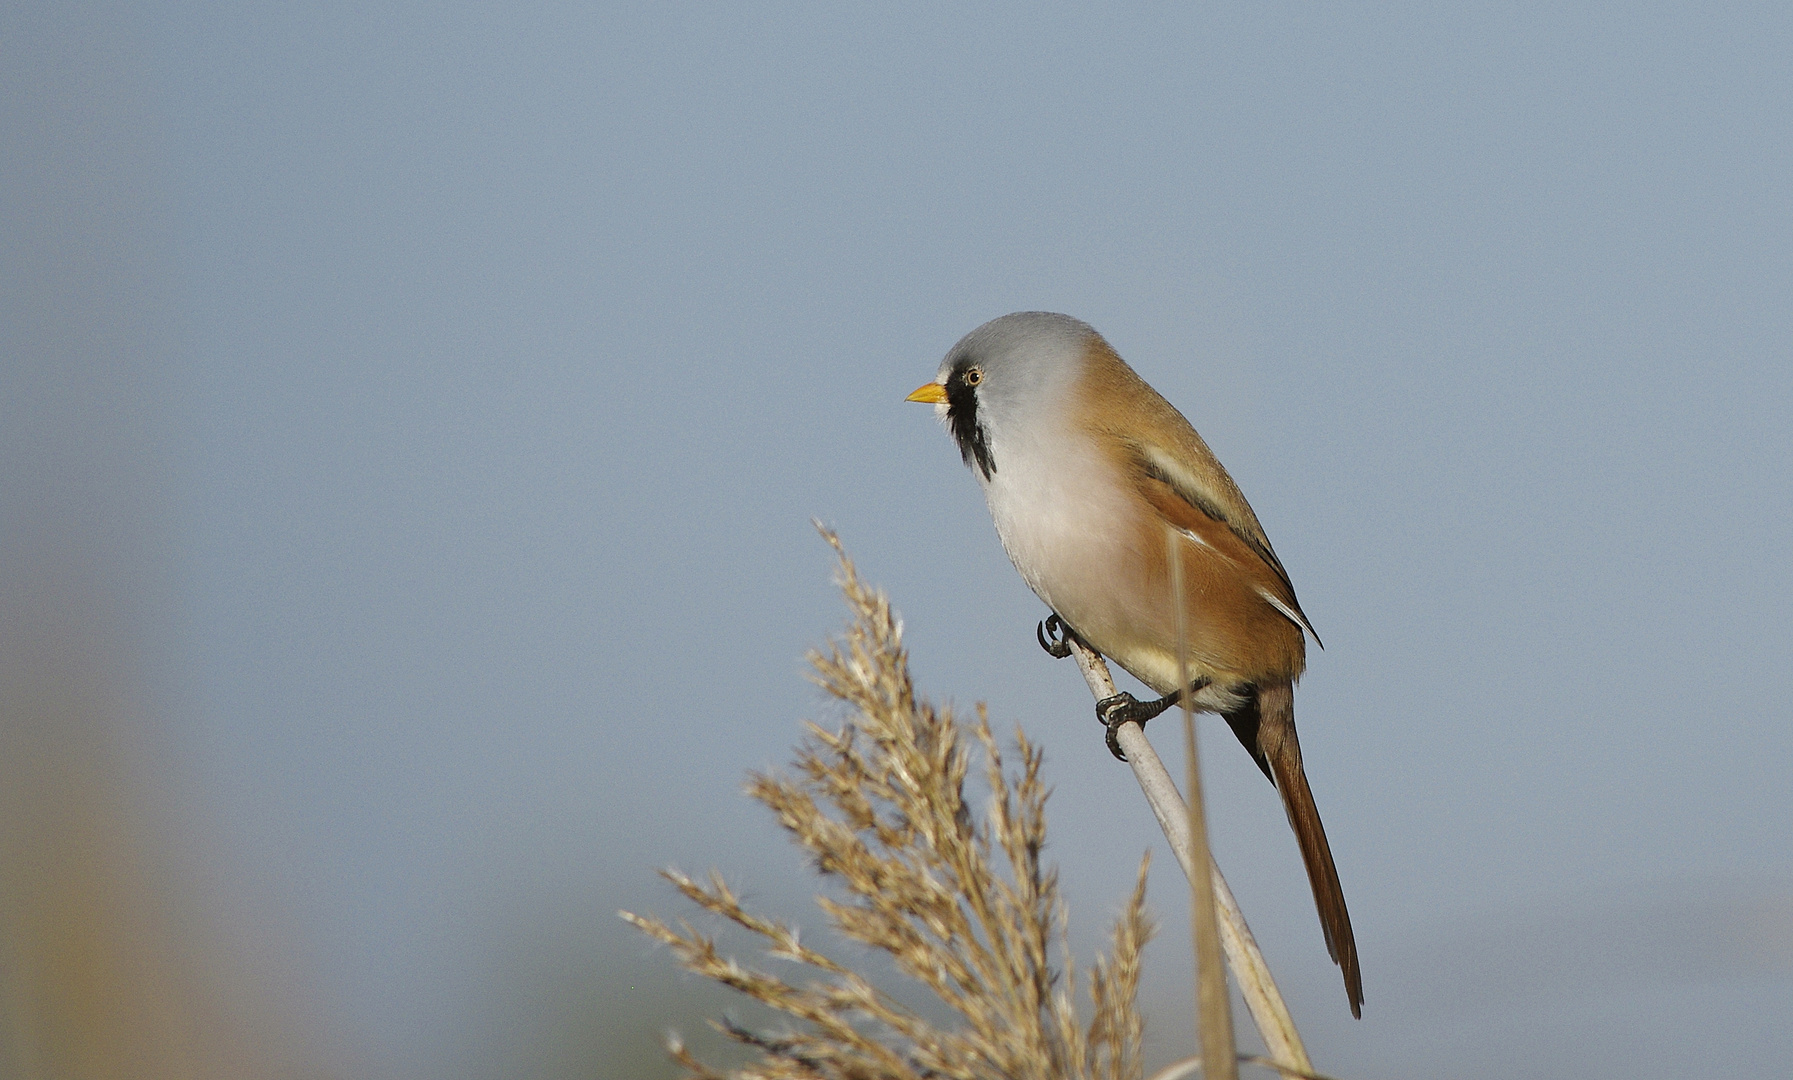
x,y
962,906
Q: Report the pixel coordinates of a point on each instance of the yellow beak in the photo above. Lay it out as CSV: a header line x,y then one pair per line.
x,y
931,393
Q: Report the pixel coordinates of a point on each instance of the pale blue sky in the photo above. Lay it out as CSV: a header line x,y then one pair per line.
x,y
453,387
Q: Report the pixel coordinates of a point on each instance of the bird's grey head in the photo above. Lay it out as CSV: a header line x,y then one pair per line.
x,y
1005,371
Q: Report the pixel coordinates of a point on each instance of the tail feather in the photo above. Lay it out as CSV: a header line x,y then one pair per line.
x,y
1270,722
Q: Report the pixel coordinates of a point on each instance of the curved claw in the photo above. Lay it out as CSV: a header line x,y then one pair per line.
x,y
1054,636
1112,712
1112,737
1123,707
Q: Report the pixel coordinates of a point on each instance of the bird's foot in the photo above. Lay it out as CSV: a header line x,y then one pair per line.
x,y
1122,708
1055,637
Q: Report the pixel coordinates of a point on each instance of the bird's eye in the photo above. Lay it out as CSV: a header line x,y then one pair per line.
x,y
973,377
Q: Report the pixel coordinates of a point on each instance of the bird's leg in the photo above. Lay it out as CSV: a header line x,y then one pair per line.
x,y
1055,636
1114,711
1123,707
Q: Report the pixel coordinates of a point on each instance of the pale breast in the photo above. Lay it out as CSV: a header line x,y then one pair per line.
x,y
1073,529
1093,549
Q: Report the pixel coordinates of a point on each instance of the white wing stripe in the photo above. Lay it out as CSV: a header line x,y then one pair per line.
x,y
1198,540
1293,615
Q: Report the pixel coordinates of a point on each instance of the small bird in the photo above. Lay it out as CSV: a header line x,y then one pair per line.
x,y
1090,474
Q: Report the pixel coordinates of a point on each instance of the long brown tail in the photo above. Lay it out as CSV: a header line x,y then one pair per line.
x,y
1267,728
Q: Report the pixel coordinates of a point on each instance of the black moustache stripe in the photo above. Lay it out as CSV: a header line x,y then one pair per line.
x,y
967,427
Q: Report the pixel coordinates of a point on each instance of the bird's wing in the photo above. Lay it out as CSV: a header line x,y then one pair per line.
x,y
1200,512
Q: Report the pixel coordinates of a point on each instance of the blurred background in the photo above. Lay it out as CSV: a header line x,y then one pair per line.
x,y
412,416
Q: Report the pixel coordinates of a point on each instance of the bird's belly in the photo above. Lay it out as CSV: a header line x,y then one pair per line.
x,y
1093,550
1081,541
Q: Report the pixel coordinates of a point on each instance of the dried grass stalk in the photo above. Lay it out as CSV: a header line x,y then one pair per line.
x,y
1256,985
963,906
1214,1015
